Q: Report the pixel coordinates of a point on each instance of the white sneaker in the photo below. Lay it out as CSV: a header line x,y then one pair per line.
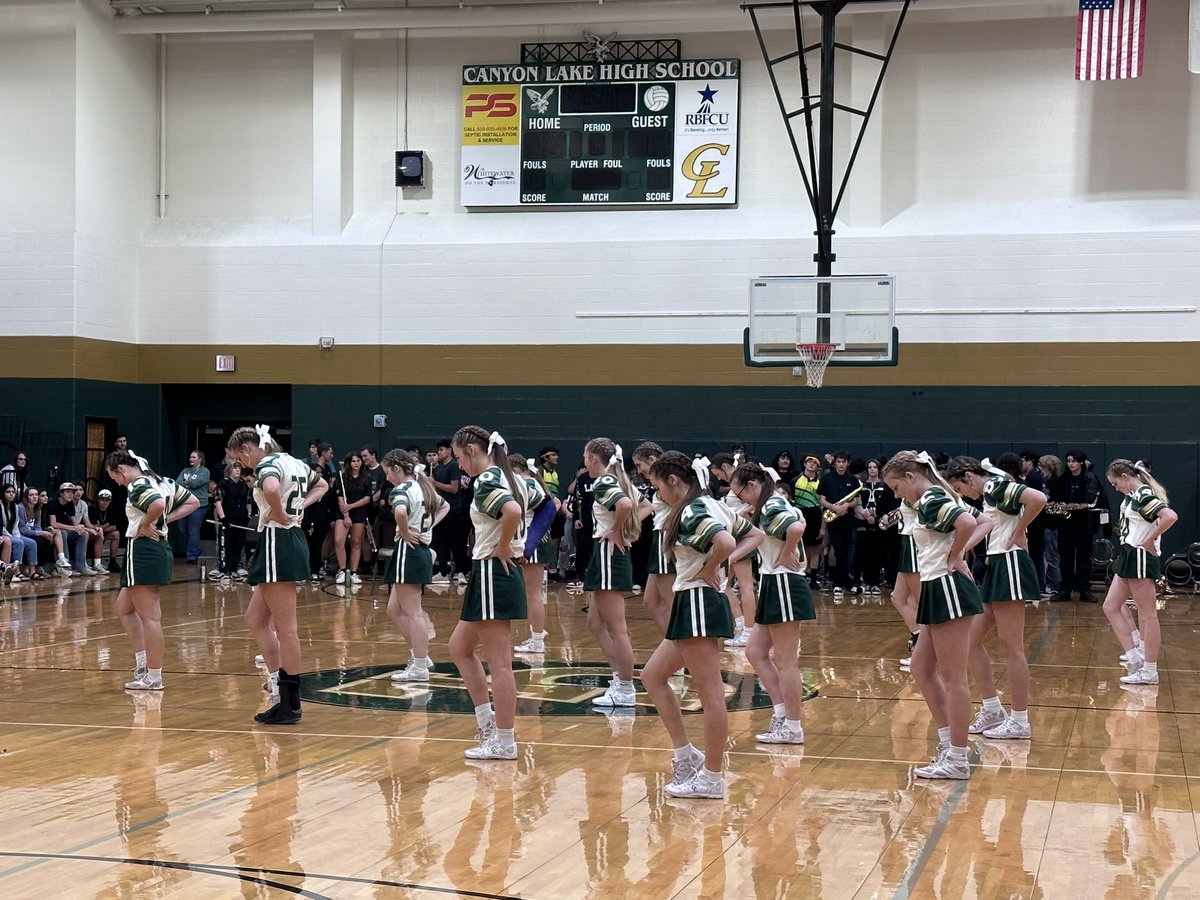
x,y
1009,730
622,695
945,766
781,735
683,769
535,644
460,578
739,639
697,787
439,578
837,592
906,663
1139,647
768,736
491,748
340,578
985,720
1141,676
1134,661
414,671
354,578
144,683
259,660
241,573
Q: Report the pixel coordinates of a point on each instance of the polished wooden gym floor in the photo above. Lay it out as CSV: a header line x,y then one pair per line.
x,y
112,794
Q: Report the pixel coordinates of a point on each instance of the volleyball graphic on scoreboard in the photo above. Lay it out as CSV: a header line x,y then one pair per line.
x,y
594,134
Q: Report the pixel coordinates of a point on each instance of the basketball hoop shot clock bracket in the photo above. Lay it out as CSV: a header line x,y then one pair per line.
x,y
615,133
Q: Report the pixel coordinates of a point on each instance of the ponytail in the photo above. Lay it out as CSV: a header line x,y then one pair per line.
x,y
907,461
119,458
258,435
410,464
496,449
675,463
521,465
614,463
747,472
1141,472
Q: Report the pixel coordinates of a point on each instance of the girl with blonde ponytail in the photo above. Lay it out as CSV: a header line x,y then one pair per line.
x,y
495,589
417,508
948,601
610,572
1145,516
702,535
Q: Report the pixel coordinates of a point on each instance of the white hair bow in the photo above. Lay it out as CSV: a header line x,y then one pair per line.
x,y
737,459
700,467
493,439
618,456
419,469
531,464
141,462
924,457
771,473
986,465
264,435
1141,466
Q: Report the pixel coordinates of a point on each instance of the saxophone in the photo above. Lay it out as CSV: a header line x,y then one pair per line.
x,y
829,515
1059,508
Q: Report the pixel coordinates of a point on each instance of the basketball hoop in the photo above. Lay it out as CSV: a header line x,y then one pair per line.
x,y
815,358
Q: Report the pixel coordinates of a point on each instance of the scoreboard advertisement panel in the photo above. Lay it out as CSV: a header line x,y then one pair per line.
x,y
601,134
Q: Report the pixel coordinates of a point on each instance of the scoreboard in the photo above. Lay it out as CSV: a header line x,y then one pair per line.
x,y
601,134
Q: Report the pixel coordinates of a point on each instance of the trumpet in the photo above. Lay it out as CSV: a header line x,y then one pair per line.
x,y
1059,508
829,515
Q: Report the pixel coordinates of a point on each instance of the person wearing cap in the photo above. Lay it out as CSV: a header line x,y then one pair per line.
x,y
103,516
74,536
94,532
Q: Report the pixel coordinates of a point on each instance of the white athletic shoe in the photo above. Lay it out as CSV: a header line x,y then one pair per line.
x,y
1009,730
354,578
985,720
683,769
535,644
491,748
144,683
340,578
698,787
1139,646
137,673
460,578
1134,660
414,671
906,663
616,696
780,733
1141,676
439,578
945,766
739,639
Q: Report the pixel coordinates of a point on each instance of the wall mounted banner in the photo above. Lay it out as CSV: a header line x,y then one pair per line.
x,y
601,134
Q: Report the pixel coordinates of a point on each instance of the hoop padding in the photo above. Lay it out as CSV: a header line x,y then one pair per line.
x,y
815,358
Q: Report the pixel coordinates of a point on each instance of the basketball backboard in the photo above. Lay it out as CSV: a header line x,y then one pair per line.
x,y
856,313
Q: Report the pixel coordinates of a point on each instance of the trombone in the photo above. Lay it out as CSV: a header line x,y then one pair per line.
x,y
829,515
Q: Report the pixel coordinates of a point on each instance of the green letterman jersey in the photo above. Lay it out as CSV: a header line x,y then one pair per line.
x,y
606,491
702,520
492,491
408,495
1139,513
776,518
1002,504
143,491
937,512
295,478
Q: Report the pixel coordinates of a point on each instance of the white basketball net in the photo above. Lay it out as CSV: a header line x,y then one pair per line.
x,y
815,358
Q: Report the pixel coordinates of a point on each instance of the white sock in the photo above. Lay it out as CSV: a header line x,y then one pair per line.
x,y
944,735
1137,637
154,674
273,681
484,715
506,736
779,710
739,623
958,752
425,663
793,725
1151,667
62,560
1020,716
687,751
992,704
139,659
711,777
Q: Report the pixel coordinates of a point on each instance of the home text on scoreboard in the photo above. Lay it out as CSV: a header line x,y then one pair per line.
x,y
601,134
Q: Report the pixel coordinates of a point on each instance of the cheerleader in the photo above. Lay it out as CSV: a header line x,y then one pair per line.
x,y
723,466
696,532
533,568
153,502
610,572
283,487
1145,516
948,600
784,600
1009,580
906,590
661,567
495,589
417,509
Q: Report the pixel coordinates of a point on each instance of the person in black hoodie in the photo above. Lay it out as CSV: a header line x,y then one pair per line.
x,y
1078,484
232,505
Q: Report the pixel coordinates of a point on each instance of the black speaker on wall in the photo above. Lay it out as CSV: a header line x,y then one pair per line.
x,y
410,168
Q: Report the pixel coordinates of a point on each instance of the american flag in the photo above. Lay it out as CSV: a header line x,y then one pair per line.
x,y
1111,39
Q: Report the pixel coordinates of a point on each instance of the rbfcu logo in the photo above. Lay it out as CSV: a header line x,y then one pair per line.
x,y
549,688
481,176
705,115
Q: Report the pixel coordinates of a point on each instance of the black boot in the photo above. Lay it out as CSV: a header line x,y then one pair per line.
x,y
287,710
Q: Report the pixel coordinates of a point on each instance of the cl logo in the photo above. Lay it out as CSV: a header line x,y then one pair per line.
x,y
497,106
707,171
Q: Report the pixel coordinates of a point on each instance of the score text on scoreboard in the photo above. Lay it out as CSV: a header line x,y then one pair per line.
x,y
601,134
